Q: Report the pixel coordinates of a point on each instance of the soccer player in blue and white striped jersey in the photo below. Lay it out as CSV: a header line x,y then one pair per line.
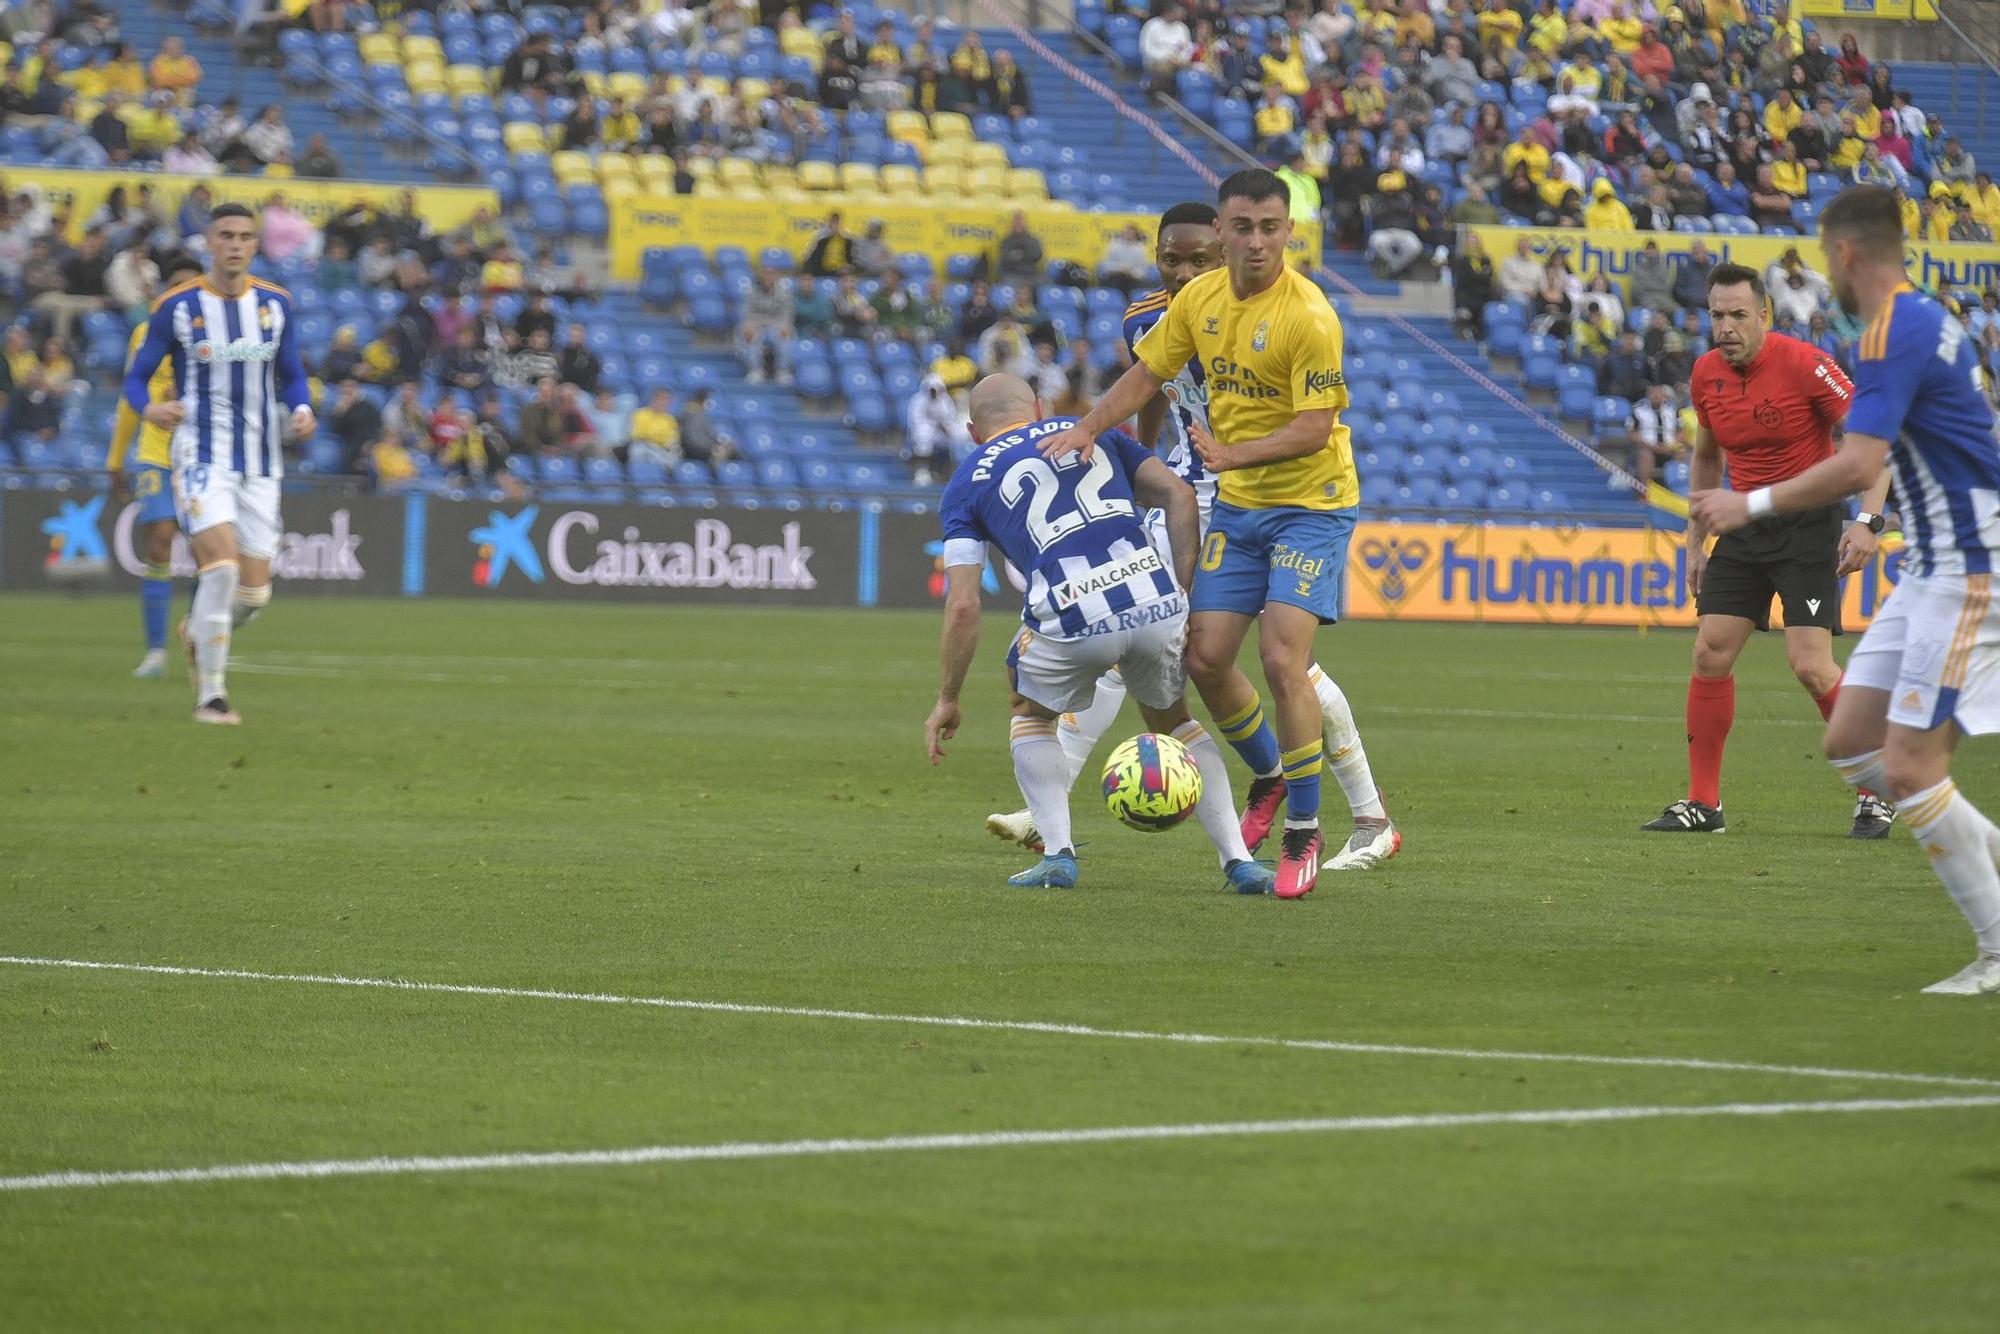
x,y
1927,672
229,340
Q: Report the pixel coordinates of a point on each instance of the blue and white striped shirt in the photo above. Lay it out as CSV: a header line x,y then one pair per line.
x,y
237,368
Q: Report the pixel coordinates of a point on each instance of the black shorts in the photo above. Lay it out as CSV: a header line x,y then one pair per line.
x,y
1790,556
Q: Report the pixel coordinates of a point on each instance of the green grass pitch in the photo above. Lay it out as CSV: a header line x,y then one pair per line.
x,y
734,807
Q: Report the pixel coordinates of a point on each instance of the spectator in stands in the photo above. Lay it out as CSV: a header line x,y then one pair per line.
x,y
701,440
468,366
540,428
356,423
188,157
1726,194
654,434
978,314
1350,184
1593,334
34,413
882,87
1393,243
343,358
1955,166
1520,274
1669,358
406,417
269,138
1558,296
319,160
896,313
610,423
1089,377
930,421
82,290
577,364
1606,212
872,257
1046,374
287,233
1004,348
844,41
1302,189
838,87
174,71
1770,206
1450,77
1474,209
853,315
1127,265
109,131
957,369
1650,282
1655,212
537,316
1655,434
1622,373
1410,102
1399,150
830,254
1020,253
812,309
1166,47
1007,91
1274,120
1472,286
1691,280
535,68
1449,140
764,336
530,361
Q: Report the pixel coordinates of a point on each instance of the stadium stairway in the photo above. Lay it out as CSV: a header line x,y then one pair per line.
x,y
1966,97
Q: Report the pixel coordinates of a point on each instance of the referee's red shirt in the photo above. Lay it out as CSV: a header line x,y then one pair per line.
x,y
1775,417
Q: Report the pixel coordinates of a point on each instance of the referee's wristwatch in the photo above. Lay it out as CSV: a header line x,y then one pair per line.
x,y
1876,522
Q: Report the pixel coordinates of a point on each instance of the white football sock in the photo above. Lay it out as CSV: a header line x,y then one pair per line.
x,y
1345,754
1043,773
1079,733
248,602
1862,770
1961,844
1217,808
210,624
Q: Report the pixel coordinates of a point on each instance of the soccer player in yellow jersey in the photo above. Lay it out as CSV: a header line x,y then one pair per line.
x,y
1270,347
152,485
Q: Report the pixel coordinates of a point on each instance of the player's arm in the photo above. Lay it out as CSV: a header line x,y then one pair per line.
x,y
1155,486
139,374
956,647
1135,388
1704,474
293,386
1304,434
1152,417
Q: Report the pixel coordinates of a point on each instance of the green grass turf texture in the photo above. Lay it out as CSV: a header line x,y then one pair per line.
x,y
733,805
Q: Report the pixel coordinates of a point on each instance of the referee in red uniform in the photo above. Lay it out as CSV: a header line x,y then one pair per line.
x,y
1769,404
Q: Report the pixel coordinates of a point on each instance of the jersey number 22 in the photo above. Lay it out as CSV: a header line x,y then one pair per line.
x,y
1038,475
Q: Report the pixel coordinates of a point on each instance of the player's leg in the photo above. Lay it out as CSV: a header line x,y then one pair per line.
x,y
1285,638
1155,667
1811,596
1050,677
208,625
1375,838
258,532
1079,733
1711,712
1948,682
153,489
1229,586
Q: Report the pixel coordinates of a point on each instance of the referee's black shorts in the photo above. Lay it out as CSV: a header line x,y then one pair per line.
x,y
1789,556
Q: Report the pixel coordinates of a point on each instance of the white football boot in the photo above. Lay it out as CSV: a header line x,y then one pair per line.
x,y
1018,827
1981,977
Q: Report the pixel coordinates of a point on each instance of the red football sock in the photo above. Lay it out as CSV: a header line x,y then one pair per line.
x,y
1711,708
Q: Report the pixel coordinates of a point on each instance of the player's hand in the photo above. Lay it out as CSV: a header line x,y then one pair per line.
x,y
1214,457
166,416
1857,549
1720,511
1697,567
1074,438
121,489
940,727
304,423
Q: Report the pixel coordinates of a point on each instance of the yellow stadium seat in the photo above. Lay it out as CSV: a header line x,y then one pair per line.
x,y
425,77
780,176
618,187
750,92
787,194
951,125
982,181
593,82
626,84
986,155
701,168
611,162
859,177
946,153
909,127
378,48
1026,183
423,48
801,42
523,136
572,166
677,84
737,171
945,182
655,174
901,180
818,176
463,80
714,87
709,189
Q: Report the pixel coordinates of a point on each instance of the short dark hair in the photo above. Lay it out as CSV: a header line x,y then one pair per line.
x,y
1868,214
1189,213
1728,275
179,262
1255,185
221,211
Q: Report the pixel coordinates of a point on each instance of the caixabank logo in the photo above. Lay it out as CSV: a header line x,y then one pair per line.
x,y
76,538
506,544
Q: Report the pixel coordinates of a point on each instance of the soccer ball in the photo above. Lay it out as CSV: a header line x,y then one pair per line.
x,y
1151,783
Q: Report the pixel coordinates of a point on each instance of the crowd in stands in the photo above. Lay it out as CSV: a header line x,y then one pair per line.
x,y
1411,116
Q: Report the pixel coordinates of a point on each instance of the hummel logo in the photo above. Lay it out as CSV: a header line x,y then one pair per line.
x,y
1812,605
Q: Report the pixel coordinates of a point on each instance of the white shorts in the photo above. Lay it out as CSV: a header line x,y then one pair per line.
x,y
1061,674
1156,523
1935,647
208,496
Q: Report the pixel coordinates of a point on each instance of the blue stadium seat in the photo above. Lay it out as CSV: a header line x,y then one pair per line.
x,y
1573,401
1539,371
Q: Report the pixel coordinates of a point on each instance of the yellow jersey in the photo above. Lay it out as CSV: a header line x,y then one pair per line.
x,y
1263,361
155,445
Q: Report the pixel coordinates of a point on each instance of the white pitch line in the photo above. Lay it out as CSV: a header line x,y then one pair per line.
x,y
1005,1025
997,1139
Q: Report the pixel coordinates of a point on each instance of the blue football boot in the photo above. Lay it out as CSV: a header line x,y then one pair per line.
x,y
1247,877
1056,870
